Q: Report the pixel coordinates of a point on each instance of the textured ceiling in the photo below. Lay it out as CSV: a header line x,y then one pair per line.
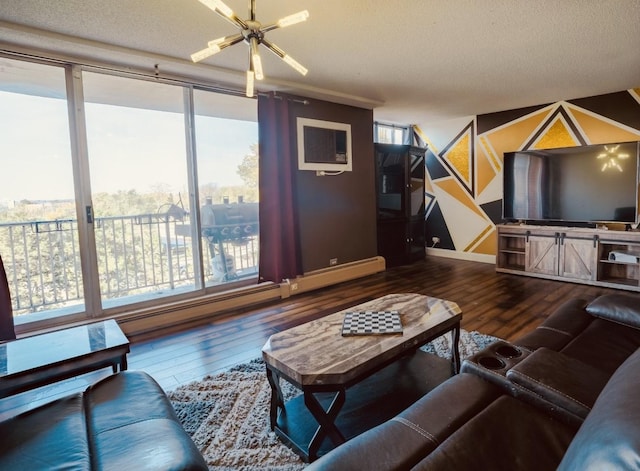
x,y
413,61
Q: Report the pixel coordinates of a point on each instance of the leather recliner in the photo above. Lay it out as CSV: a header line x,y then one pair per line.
x,y
568,402
123,422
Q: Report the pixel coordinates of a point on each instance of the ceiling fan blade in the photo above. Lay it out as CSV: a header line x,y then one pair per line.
x,y
287,21
223,10
285,57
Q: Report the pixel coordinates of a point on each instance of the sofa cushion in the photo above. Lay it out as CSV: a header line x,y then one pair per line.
x,y
604,345
509,434
132,425
122,422
562,326
621,308
610,438
52,436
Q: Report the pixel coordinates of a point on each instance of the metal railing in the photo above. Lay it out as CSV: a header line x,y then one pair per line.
x,y
136,255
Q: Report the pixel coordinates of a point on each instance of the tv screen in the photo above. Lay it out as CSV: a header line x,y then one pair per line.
x,y
597,183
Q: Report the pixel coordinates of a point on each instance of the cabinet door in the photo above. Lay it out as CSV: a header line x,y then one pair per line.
x,y
415,240
577,258
415,185
391,182
392,242
542,255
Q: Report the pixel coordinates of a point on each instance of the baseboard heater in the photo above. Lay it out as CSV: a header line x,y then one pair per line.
x,y
147,321
330,276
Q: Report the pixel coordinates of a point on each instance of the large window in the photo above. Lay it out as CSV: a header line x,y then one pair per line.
x,y
155,155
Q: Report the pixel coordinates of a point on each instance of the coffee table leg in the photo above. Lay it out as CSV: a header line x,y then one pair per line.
x,y
277,400
326,421
455,352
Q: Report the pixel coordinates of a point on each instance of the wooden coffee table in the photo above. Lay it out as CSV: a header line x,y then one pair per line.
x,y
383,373
35,361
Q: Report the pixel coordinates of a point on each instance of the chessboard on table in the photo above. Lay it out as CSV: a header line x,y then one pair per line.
x,y
371,323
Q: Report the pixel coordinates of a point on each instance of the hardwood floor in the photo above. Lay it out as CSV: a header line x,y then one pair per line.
x,y
505,306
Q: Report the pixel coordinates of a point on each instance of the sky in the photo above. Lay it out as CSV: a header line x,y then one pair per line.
x,y
129,148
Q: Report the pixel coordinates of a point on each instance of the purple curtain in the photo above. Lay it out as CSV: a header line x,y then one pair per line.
x,y
279,243
6,312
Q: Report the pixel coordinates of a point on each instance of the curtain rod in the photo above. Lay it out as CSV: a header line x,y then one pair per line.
x,y
278,97
99,66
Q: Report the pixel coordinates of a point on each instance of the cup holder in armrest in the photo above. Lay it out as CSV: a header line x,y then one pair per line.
x,y
491,363
508,351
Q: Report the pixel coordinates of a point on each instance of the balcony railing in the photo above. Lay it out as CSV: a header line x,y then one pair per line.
x,y
137,255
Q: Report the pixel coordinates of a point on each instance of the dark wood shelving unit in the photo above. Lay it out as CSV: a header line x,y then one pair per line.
x,y
400,173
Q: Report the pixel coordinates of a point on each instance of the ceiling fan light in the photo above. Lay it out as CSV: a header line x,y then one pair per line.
x,y
220,6
204,53
216,42
255,59
293,19
257,66
295,64
250,84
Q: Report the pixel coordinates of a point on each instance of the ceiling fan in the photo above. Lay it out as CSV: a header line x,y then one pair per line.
x,y
252,32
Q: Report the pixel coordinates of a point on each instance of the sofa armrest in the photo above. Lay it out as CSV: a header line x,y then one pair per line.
x,y
402,442
558,383
609,438
621,308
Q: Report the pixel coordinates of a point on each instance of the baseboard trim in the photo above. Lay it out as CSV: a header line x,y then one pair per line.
x,y
473,257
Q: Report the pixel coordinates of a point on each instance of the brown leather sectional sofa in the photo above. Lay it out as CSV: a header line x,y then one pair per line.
x,y
564,396
124,422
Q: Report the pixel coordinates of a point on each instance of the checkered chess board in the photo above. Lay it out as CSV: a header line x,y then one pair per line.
x,y
371,323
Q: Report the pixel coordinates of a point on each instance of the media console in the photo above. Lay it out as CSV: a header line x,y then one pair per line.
x,y
598,257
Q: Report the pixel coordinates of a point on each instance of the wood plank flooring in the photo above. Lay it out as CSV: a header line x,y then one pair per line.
x,y
506,306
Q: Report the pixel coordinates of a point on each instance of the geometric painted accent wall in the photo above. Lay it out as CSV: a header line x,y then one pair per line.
x,y
464,170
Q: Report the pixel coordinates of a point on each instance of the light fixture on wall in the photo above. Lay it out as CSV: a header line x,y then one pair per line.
x,y
252,32
612,157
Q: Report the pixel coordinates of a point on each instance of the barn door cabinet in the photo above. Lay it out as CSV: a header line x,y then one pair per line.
x,y
598,257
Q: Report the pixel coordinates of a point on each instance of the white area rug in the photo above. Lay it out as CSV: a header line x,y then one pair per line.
x,y
227,414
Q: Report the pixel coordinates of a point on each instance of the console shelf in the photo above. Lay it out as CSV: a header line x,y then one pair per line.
x,y
596,257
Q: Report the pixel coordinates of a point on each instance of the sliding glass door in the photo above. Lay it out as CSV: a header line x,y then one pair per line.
x,y
127,191
38,229
226,132
139,182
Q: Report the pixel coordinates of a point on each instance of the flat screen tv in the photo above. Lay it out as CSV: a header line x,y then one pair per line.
x,y
585,184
